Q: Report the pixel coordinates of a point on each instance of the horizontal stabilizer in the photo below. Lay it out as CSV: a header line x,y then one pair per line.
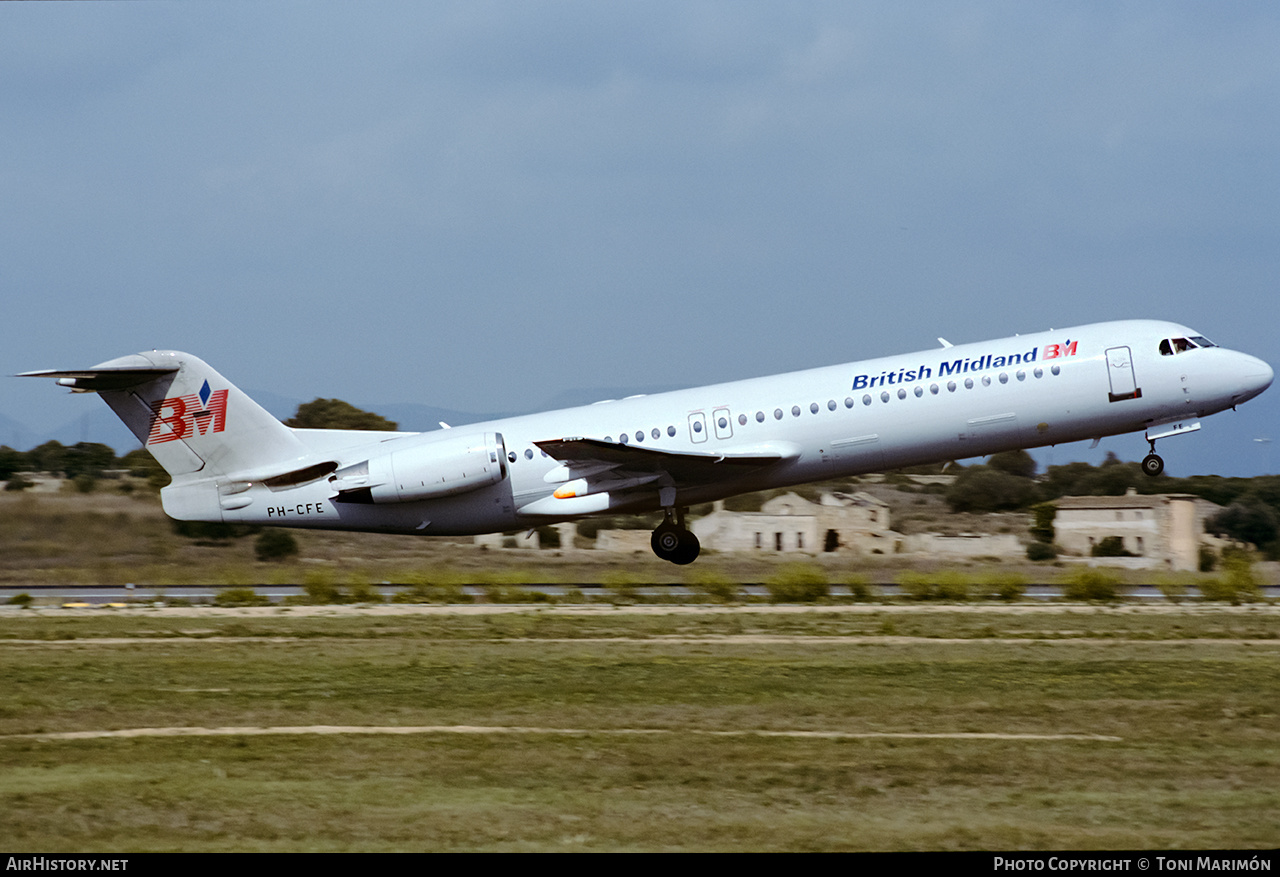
x,y
95,380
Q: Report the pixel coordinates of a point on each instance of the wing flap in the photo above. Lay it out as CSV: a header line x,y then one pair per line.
x,y
683,467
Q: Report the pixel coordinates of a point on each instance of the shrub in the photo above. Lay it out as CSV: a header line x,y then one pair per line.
x,y
860,589
275,545
24,600
240,597
1174,590
427,592
514,594
1093,584
798,583
319,587
940,585
622,585
549,537
17,482
1039,551
1238,585
1008,587
363,592
212,531
1111,546
714,586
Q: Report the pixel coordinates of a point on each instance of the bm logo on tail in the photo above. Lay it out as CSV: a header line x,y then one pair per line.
x,y
195,414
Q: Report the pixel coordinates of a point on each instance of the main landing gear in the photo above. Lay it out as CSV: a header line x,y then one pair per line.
x,y
1152,463
673,541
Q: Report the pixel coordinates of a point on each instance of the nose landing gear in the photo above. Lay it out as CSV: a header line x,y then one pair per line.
x,y
673,541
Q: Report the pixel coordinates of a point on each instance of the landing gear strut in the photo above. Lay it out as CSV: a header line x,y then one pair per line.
x,y
1152,463
673,541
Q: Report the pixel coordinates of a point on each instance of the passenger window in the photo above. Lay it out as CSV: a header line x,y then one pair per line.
x,y
795,410
831,405
742,420
884,396
968,383
777,414
813,407
866,400
933,388
848,401
951,386
919,392
759,417
902,394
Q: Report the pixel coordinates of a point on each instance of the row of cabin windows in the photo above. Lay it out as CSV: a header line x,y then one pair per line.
x,y
814,407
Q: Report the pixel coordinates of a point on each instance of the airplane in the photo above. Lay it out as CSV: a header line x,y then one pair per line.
x,y
232,461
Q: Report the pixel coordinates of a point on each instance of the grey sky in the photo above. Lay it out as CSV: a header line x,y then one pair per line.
x,y
480,205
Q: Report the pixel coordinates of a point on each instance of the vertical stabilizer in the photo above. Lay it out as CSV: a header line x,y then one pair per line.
x,y
193,420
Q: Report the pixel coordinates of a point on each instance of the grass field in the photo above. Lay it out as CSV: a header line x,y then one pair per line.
x,y
642,728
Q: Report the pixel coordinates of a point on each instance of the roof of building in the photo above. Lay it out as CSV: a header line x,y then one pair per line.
x,y
1131,500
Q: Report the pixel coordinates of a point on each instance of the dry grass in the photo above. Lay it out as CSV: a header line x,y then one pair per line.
x,y
1189,692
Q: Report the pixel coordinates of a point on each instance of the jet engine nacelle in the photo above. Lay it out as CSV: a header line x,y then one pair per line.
x,y
425,470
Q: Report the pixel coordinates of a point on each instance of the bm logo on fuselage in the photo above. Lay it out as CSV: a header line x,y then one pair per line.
x,y
194,414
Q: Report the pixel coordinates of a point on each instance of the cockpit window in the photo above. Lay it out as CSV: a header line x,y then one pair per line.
x,y
1171,346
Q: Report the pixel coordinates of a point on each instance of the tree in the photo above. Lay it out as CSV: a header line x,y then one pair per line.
x,y
1018,463
1246,520
47,457
983,489
275,545
1042,529
336,414
11,461
87,458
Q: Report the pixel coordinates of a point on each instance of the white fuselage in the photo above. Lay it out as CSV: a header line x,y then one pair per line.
x,y
941,404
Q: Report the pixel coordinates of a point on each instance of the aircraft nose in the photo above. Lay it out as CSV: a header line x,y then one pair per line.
x,y
1256,376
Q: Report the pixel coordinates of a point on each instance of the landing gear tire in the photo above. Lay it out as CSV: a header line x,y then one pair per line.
x,y
1152,465
675,544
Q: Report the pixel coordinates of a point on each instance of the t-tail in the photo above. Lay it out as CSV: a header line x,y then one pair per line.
x,y
196,423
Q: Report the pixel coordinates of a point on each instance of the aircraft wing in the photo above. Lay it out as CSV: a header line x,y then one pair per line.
x,y
682,467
